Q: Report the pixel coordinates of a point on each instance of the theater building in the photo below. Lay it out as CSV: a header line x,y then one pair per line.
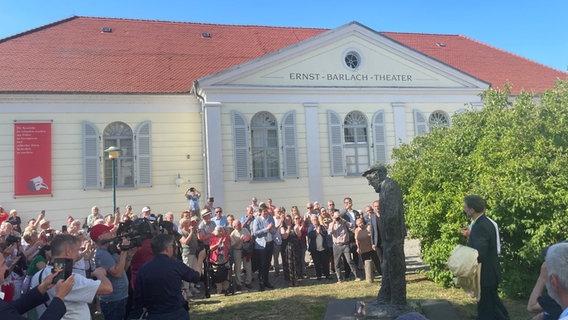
x,y
294,114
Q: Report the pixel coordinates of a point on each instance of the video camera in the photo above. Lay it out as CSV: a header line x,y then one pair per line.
x,y
168,227
138,230
135,231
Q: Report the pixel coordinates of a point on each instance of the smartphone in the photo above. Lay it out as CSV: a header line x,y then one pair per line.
x,y
66,267
64,229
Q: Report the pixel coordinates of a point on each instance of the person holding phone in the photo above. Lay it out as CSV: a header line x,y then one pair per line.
x,y
192,195
37,296
67,246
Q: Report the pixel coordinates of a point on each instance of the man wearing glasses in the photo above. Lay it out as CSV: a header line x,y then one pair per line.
x,y
220,220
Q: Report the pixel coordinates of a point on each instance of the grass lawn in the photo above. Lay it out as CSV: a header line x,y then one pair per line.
x,y
310,301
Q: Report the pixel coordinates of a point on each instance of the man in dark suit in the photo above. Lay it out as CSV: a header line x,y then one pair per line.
x,y
375,235
483,239
350,215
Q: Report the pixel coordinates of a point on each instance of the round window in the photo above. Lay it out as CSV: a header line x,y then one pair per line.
x,y
352,60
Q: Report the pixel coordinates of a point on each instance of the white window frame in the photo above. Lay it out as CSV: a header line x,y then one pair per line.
x,y
357,149
264,127
94,157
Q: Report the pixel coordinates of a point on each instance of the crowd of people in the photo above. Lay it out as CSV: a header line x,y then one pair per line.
x,y
268,238
133,276
112,277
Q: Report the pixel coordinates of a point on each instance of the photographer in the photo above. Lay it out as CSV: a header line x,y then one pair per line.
x,y
84,290
113,306
189,250
36,296
339,229
18,272
192,195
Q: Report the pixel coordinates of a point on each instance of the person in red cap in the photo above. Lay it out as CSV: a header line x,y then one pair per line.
x,y
113,306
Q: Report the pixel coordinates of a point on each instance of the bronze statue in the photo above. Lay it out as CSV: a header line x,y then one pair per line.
x,y
392,232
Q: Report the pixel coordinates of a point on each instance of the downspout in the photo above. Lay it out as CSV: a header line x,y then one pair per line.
x,y
195,91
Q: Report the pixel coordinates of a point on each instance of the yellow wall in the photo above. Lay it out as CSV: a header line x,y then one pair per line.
x,y
176,133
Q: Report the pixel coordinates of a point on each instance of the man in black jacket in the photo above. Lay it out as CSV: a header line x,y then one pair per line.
x,y
483,239
350,215
375,234
158,283
35,297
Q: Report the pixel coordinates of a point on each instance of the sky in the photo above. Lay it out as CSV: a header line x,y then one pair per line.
x,y
535,30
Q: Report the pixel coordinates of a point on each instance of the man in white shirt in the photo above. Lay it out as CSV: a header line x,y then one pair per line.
x,y
84,290
263,229
466,231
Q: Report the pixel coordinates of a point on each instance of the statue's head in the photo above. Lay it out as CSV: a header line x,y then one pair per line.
x,y
375,175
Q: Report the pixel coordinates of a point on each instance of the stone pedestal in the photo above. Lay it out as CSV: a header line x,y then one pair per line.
x,y
349,309
385,312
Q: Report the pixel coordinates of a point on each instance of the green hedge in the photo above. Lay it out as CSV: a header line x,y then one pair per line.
x,y
515,155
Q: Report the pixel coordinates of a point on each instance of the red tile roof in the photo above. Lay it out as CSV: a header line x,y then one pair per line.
x,y
483,61
140,56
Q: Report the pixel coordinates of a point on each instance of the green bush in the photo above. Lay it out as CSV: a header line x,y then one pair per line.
x,y
514,154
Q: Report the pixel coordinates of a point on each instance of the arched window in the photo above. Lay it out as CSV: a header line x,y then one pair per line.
x,y
119,134
356,143
265,157
438,119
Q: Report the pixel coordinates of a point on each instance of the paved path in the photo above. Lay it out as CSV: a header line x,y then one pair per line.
x,y
413,264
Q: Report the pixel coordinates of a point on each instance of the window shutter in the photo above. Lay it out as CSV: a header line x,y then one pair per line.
x,y
240,146
290,150
420,125
335,132
379,137
91,157
144,154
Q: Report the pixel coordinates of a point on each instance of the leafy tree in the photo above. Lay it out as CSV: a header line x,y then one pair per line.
x,y
513,154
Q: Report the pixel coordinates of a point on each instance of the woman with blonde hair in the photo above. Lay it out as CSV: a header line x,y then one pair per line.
x,y
219,246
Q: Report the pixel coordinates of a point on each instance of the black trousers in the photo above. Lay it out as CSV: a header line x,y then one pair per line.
x,y
321,262
374,256
264,256
490,306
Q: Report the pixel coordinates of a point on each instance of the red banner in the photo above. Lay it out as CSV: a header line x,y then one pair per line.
x,y
32,159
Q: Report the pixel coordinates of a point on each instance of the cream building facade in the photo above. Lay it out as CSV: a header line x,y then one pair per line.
x,y
329,119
